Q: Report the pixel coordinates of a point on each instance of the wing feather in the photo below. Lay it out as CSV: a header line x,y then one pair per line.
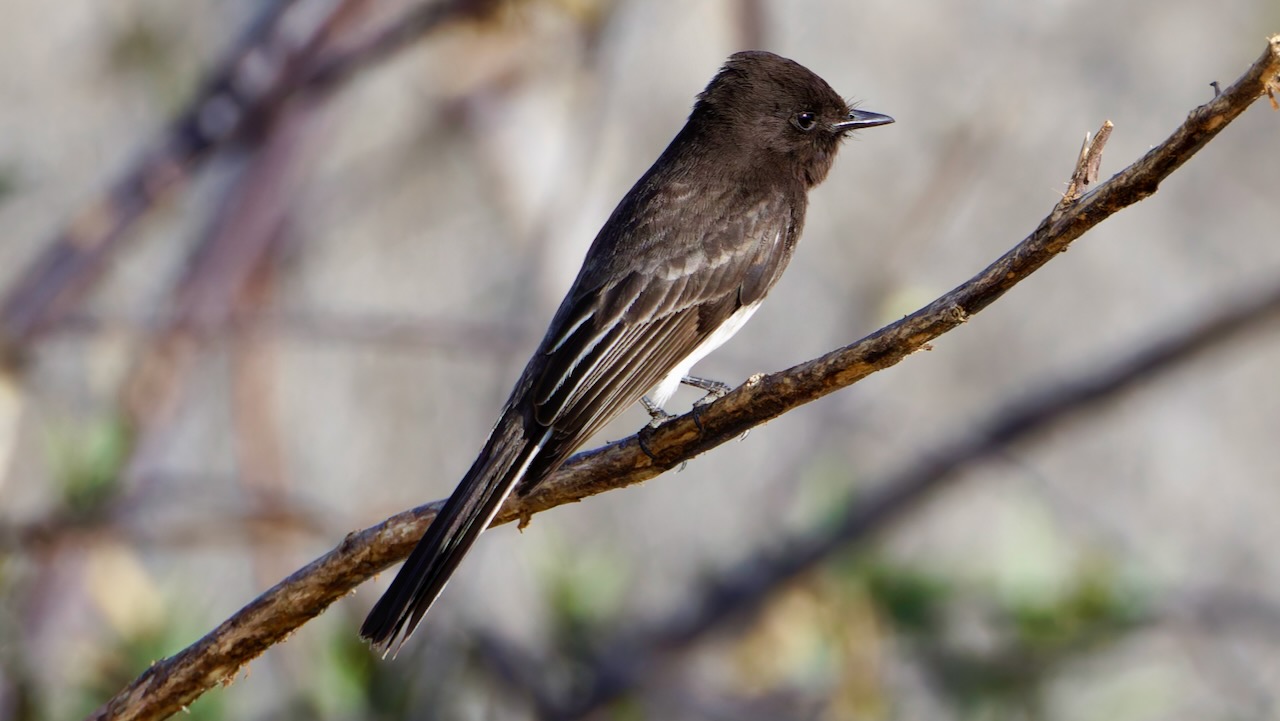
x,y
625,334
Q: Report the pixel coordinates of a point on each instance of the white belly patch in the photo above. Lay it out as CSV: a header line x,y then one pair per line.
x,y
663,392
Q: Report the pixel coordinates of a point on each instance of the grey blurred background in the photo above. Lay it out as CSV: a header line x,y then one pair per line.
x,y
191,431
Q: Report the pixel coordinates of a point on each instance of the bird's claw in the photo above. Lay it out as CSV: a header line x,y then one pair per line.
x,y
657,416
643,442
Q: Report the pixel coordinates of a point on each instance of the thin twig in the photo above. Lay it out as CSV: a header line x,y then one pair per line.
x,y
1087,165
268,517
384,330
333,70
173,682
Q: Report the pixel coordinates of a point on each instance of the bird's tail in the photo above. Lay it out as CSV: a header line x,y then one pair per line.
x,y
501,465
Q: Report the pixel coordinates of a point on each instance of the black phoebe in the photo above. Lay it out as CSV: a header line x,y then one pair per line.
x,y
679,267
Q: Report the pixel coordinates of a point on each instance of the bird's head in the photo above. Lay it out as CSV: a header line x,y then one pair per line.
x,y
775,110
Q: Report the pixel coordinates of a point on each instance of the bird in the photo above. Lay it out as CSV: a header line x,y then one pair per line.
x,y
680,265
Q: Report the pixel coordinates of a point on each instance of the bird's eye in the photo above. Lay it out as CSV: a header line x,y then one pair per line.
x,y
805,121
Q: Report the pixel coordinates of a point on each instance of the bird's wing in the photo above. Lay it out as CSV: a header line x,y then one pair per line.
x,y
619,340
610,342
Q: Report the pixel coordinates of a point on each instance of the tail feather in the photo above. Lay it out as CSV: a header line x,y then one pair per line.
x,y
468,512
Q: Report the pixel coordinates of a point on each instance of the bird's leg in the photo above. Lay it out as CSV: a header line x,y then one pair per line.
x,y
656,414
715,391
657,417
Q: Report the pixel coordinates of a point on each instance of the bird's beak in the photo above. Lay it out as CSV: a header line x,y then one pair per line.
x,y
862,119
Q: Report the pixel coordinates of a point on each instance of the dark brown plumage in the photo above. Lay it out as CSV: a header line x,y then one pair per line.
x,y
679,266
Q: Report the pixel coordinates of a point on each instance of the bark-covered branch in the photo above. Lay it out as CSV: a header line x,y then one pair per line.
x,y
626,660
174,682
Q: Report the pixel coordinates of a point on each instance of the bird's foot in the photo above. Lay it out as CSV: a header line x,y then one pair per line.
x,y
642,439
715,389
657,416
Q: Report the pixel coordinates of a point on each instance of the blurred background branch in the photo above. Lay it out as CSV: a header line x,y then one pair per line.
x,y
287,50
